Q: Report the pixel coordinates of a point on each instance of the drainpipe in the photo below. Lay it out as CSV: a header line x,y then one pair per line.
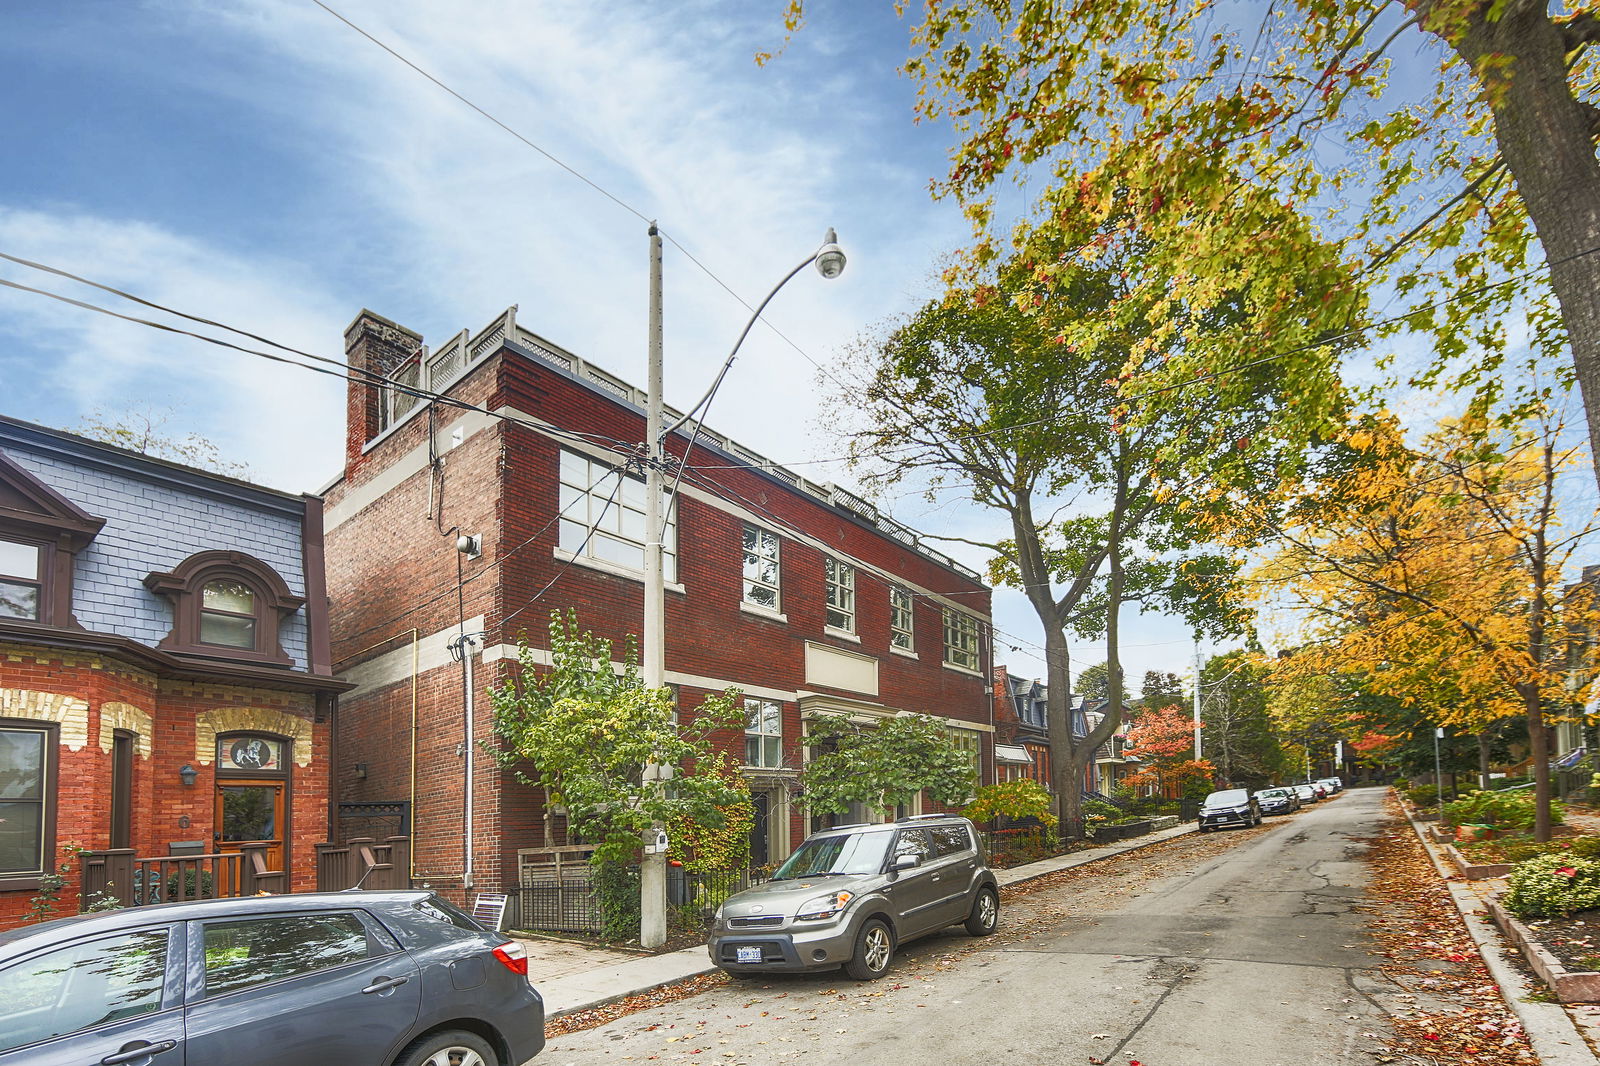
x,y
469,746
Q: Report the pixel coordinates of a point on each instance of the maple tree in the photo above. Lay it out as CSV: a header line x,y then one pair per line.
x,y
1470,185
1163,739
1436,573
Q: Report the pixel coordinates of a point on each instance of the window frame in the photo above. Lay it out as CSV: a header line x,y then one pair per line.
x,y
43,517
838,577
43,558
747,578
185,587
960,624
756,715
168,988
378,947
50,733
909,613
597,493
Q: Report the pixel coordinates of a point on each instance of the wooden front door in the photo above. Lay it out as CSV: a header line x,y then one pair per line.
x,y
250,812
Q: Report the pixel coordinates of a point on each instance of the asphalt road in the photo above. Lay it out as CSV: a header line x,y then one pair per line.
x,y
1243,948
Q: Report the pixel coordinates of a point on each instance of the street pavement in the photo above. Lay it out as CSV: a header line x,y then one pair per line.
x,y
1254,954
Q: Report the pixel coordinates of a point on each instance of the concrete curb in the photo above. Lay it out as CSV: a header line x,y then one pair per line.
x,y
606,985
1551,1031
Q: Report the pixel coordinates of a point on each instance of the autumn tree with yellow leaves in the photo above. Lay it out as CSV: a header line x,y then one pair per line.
x,y
1436,573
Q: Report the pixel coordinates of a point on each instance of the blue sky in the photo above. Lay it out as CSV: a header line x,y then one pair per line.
x,y
258,162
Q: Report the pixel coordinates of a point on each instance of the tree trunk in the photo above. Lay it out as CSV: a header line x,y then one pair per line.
x,y
1483,761
1545,137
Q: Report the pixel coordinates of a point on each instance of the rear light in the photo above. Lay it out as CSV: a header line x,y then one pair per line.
x,y
513,956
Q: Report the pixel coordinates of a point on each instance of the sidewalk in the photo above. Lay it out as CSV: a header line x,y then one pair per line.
x,y
576,977
1553,1029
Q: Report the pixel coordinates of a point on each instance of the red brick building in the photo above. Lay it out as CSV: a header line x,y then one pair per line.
x,y
164,664
797,593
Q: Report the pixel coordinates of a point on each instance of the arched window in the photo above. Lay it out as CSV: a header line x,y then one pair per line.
x,y
226,603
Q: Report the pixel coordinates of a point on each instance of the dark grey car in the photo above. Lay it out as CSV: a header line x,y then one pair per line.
x,y
354,978
850,896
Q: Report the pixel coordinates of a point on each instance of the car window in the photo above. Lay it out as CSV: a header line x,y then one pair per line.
x,y
1237,795
247,952
913,842
82,986
443,910
949,839
856,853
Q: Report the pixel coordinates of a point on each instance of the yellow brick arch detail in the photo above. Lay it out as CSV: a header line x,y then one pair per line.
x,y
209,724
68,712
115,716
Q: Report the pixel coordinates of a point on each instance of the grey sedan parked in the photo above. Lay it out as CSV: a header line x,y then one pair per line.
x,y
353,978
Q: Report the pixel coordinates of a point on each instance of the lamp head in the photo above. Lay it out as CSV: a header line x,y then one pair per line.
x,y
830,257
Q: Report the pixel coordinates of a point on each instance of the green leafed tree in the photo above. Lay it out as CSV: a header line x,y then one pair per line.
x,y
884,765
584,732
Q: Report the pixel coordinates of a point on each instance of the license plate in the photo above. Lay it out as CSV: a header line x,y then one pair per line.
x,y
750,954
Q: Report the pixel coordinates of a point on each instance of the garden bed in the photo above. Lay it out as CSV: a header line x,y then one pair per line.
x,y
1563,951
1472,868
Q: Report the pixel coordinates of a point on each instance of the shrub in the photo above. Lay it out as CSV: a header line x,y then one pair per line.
x,y
1023,798
1100,811
1423,795
1503,810
1553,886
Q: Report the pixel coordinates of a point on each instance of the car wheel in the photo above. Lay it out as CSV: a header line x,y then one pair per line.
x,y
985,913
874,949
451,1047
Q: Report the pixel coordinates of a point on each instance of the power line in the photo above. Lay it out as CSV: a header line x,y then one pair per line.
x,y
596,186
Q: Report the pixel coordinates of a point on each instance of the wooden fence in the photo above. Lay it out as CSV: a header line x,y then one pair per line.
x,y
121,875
364,861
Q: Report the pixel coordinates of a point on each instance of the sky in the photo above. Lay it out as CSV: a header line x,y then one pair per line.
x,y
260,163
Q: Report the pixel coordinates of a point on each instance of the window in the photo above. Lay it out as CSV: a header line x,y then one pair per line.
x,y
967,741
913,842
241,954
841,582
950,839
25,807
81,986
21,580
226,603
763,733
900,631
228,614
960,639
761,568
603,516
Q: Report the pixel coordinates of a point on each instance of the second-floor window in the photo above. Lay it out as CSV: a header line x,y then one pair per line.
x,y
901,634
761,568
21,580
763,733
960,639
228,614
841,582
603,516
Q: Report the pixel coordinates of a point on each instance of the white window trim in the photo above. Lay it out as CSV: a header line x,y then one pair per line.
x,y
841,634
748,733
963,670
777,558
903,653
977,641
605,566
841,568
911,630
762,612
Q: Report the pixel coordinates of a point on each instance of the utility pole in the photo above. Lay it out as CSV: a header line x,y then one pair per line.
x,y
653,872
1197,697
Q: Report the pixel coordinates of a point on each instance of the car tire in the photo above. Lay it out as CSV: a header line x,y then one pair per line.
x,y
449,1047
874,949
985,914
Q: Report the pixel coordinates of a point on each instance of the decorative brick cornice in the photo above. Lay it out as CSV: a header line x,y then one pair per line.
x,y
115,716
208,725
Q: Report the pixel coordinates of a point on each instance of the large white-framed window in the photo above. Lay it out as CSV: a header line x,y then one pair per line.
x,y
840,579
21,580
761,584
763,733
902,633
967,741
597,496
960,639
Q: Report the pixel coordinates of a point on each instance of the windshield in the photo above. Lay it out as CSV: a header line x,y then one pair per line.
x,y
856,853
1271,793
1227,799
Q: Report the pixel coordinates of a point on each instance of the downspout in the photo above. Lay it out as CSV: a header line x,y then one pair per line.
x,y
411,803
469,745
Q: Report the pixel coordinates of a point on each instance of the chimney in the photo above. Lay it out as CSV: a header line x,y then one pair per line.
x,y
375,344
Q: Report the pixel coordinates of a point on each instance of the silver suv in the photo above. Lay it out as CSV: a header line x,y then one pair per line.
x,y
850,896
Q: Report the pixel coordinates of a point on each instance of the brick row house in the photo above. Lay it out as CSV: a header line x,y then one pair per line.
x,y
1022,748
165,681
457,526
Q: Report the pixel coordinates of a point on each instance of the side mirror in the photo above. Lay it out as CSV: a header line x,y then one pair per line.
x,y
905,862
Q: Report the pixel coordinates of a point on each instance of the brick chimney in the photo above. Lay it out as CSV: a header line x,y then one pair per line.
x,y
371,343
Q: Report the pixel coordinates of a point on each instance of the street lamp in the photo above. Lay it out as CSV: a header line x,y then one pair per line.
x,y
830,261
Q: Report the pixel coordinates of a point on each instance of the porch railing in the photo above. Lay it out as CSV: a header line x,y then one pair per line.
x,y
364,861
119,874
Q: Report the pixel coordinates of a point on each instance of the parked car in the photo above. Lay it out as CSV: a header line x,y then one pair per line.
x,y
355,978
1307,793
1234,806
1332,784
1277,801
851,896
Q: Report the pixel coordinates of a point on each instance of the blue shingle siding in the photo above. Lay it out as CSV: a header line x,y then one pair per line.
x,y
154,526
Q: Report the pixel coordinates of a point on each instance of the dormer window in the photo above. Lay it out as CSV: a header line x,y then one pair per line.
x,y
226,603
21,580
228,614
